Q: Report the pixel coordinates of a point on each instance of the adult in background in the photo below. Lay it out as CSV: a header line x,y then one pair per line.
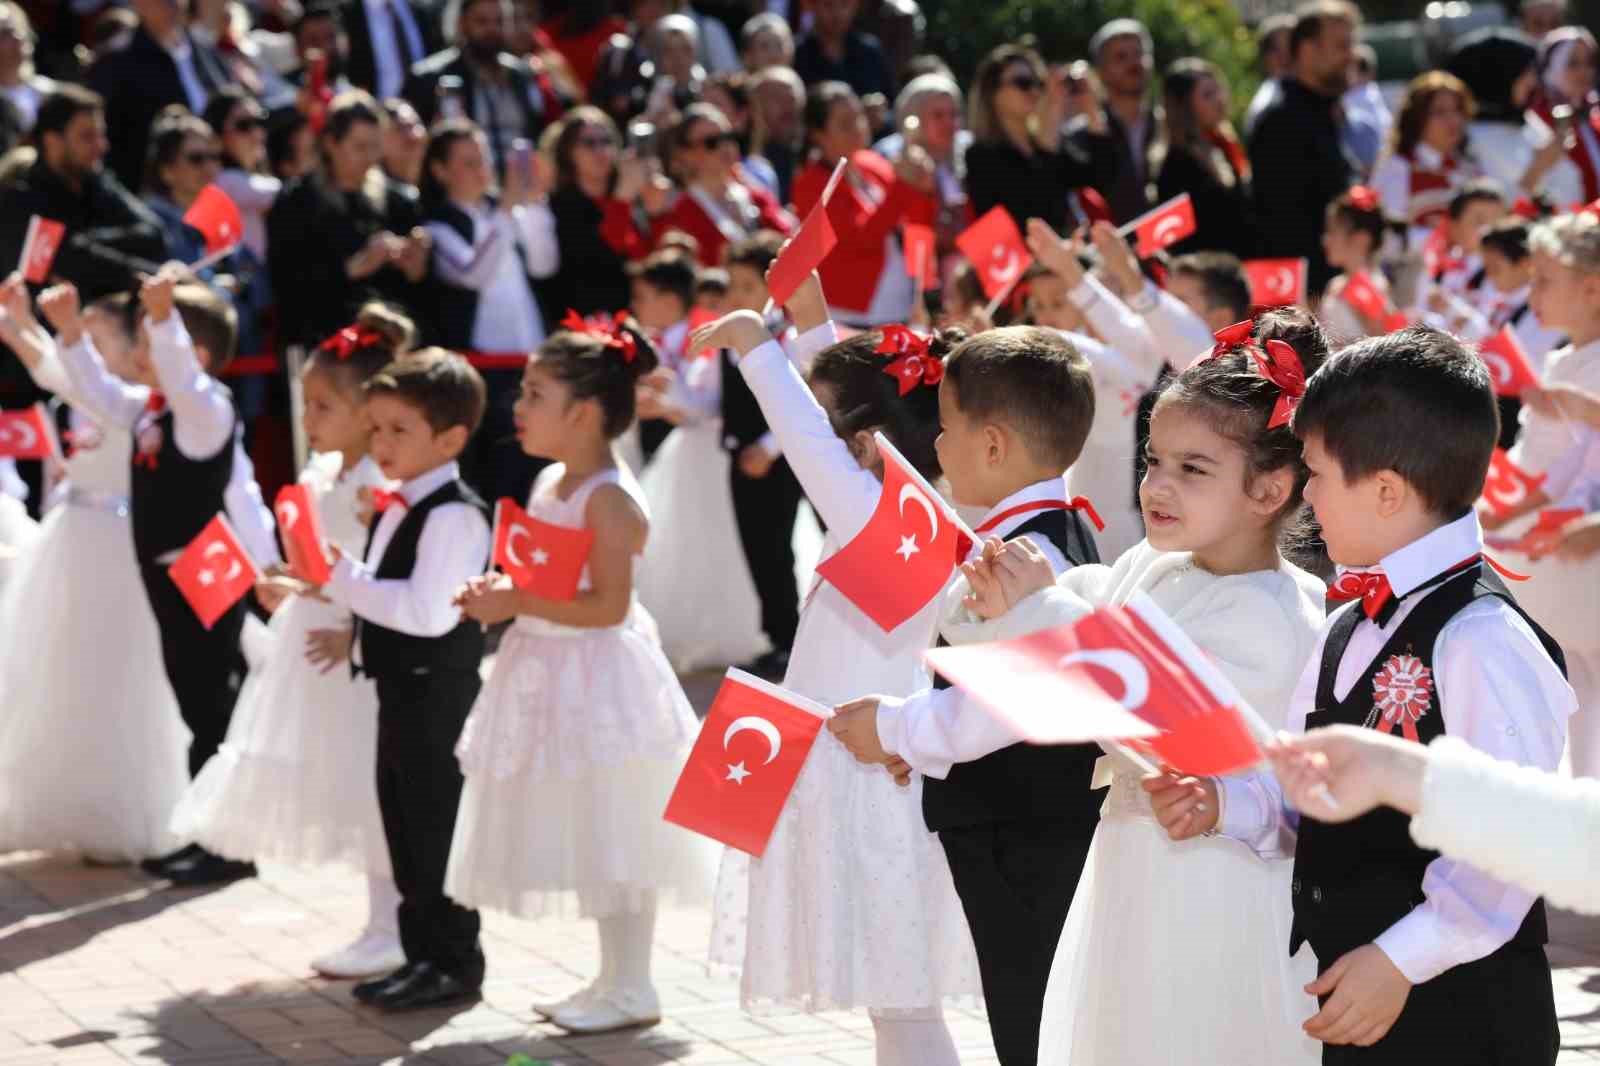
x,y
730,94
777,100
1539,17
497,90
405,139
766,41
345,234
387,37
1427,161
930,107
1017,159
1272,53
241,127
23,86
718,204
1297,157
834,50
1567,63
1201,155
163,64
1124,59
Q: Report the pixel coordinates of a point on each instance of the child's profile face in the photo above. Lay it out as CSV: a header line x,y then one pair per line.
x,y
653,307
334,418
543,413
747,289
1502,273
1344,248
1048,305
1345,510
1562,296
1193,494
961,447
1466,232
404,445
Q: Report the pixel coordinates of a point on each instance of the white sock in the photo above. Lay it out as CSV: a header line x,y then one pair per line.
x,y
913,1038
383,905
612,936
638,939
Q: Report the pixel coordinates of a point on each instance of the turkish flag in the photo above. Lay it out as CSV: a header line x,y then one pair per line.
x,y
1395,320
39,248
744,764
1549,521
1508,363
922,259
28,434
905,553
806,250
214,572
1276,282
217,218
996,249
1124,673
1163,227
1361,294
540,557
300,528
1507,484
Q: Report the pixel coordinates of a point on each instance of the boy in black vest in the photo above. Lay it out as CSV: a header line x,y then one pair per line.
x,y
184,459
662,297
766,495
423,657
1422,959
1015,820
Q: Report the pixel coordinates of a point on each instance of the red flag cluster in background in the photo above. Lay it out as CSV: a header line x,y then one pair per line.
x,y
1508,363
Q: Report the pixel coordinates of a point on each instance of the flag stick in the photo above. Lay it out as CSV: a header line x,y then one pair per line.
x,y
1001,297
827,194
1126,229
214,258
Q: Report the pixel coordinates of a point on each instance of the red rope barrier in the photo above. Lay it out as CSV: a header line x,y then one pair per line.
x,y
267,362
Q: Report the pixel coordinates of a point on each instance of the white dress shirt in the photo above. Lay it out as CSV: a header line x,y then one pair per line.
x,y
182,54
1497,690
508,317
454,546
388,57
203,419
1106,469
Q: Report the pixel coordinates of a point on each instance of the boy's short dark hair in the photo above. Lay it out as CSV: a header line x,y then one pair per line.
x,y
712,281
64,104
671,272
1478,189
1508,237
1222,279
1417,402
1031,379
756,251
210,321
439,383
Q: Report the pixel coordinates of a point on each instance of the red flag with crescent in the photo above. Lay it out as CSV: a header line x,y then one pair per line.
x,y
744,764
214,572
1507,485
28,434
902,557
1163,227
996,249
542,558
1276,282
1508,363
300,529
39,247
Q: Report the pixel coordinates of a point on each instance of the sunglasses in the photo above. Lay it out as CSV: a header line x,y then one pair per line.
x,y
248,124
1025,83
713,140
597,143
200,159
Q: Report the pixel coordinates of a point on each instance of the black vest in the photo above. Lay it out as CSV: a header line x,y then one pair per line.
x,y
172,497
386,652
1356,879
742,421
455,308
1023,780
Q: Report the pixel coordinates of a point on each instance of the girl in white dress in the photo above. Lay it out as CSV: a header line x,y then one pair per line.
x,y
1175,953
92,750
1352,233
851,905
292,782
576,741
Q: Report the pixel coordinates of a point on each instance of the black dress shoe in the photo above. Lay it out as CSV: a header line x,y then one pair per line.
x,y
157,867
769,667
427,986
367,991
204,868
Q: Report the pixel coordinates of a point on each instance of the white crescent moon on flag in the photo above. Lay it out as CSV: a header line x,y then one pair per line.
x,y
288,513
1506,489
216,547
1170,224
755,724
234,570
1129,670
1499,366
511,540
909,492
1283,281
1013,266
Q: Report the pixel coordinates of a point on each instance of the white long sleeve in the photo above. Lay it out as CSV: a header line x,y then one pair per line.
x,y
536,232
98,393
1522,825
469,266
202,412
248,511
1180,334
1119,326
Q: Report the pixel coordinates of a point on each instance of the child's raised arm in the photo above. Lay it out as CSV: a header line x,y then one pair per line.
x,y
93,389
202,413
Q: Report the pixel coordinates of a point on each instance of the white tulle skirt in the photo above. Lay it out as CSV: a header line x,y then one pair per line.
x,y
1176,954
17,533
295,780
93,753
851,905
570,754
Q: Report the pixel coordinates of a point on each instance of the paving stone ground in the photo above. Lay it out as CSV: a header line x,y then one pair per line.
x,y
104,966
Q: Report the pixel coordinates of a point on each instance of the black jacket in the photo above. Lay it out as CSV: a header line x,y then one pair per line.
x,y
593,277
1224,215
1033,186
1299,167
312,230
360,65
1111,165
137,82
422,88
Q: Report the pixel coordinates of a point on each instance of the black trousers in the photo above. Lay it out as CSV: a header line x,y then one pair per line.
x,y
1498,1011
765,509
419,788
1016,881
204,666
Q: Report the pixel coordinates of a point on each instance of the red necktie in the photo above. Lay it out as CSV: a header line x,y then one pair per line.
x,y
155,403
383,499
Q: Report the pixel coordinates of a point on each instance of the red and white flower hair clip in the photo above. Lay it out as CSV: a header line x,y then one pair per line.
x,y
608,331
911,364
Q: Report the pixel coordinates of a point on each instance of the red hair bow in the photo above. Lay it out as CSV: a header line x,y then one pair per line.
x,y
1280,364
607,331
350,340
1525,208
913,365
1230,339
1363,197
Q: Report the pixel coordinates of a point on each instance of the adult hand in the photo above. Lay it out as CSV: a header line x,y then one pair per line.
x,y
1340,772
376,254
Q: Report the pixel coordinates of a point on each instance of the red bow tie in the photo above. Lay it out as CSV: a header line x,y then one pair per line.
x,y
383,499
155,403
1370,586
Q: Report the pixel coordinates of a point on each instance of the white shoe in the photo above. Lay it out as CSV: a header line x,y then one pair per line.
x,y
376,951
611,1010
580,998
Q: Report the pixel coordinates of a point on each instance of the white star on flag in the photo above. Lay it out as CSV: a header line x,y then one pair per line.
x,y
540,557
737,773
908,547
205,577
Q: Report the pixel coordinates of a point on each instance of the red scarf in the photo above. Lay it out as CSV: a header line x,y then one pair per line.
x,y
1579,152
1234,151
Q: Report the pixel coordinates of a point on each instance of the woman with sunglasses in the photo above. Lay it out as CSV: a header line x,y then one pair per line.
x,y
719,203
181,161
241,127
1017,159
